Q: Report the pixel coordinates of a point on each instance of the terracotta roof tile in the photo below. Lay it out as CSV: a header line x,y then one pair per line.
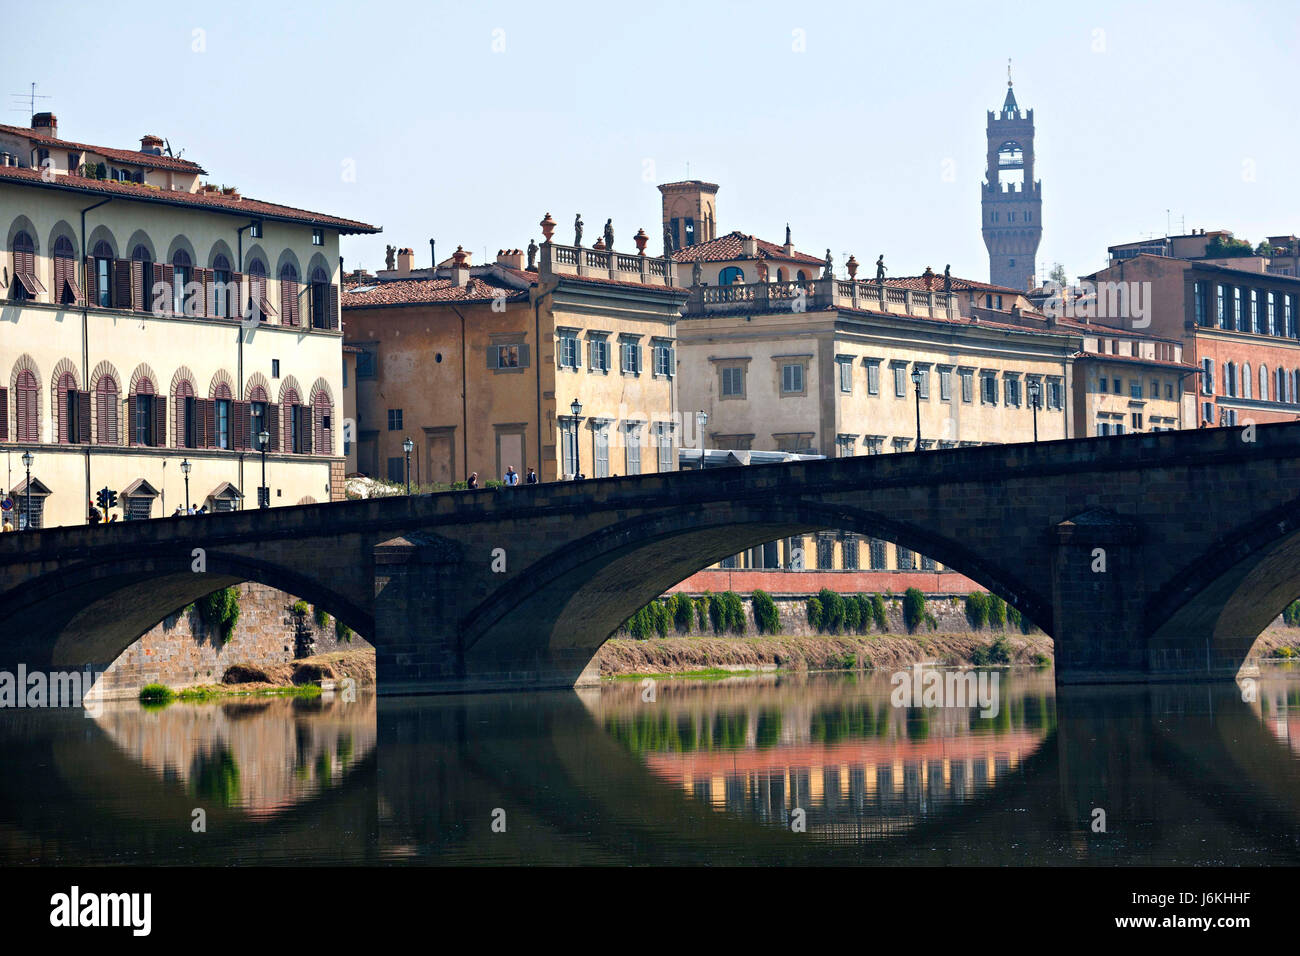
x,y
728,247
397,292
121,155
917,284
216,202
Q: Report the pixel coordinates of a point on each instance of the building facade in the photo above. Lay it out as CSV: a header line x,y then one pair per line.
x,y
1238,327
152,327
566,364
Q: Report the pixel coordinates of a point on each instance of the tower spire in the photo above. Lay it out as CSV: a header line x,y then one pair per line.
x,y
1009,105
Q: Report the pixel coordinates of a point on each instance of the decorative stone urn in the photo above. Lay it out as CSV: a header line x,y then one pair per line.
x,y
640,239
548,227
852,266
599,246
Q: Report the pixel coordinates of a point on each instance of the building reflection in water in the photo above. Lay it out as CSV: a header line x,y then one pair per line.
x,y
857,766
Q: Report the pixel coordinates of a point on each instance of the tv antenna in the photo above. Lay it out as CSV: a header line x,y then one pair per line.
x,y
32,96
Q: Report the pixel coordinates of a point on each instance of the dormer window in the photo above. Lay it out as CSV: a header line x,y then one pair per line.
x,y
255,230
318,237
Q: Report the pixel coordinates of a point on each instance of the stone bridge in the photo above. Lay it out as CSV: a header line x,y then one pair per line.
x,y
1145,557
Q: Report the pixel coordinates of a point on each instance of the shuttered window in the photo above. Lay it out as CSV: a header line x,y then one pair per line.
x,y
182,276
289,295
323,422
320,299
4,414
66,289
25,285
186,428
101,267
106,430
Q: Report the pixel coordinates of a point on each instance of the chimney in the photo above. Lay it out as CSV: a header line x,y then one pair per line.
x,y
405,261
460,267
151,144
46,123
511,258
749,247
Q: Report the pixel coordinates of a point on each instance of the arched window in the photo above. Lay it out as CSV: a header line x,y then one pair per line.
x,y
731,275
26,408
66,290
73,411
222,423
324,305
106,430
297,423
189,428
259,305
1295,386
219,297
142,279
146,415
1279,394
182,276
799,276
780,275
289,295
1263,383
101,272
1246,381
263,416
26,286
1229,380
323,423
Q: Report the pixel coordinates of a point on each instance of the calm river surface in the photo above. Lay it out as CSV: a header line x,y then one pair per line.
x,y
819,769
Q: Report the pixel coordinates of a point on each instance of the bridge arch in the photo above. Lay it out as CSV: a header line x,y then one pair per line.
x,y
568,603
97,609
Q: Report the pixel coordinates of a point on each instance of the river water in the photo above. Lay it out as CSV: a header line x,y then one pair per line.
x,y
819,769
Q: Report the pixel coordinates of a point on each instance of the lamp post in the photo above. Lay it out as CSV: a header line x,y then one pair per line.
x,y
916,385
701,419
185,470
576,408
407,447
28,458
1034,389
263,493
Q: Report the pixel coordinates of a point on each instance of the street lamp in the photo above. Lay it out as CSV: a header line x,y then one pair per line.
x,y
1034,389
263,493
701,419
576,408
408,446
185,470
916,383
28,458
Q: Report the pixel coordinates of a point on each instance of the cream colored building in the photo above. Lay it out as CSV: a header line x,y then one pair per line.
x,y
150,319
479,366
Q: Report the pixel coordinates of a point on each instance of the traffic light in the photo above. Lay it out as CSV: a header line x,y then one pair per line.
x,y
101,498
112,499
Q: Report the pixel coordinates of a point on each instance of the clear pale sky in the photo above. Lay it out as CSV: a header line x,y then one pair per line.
x,y
1189,107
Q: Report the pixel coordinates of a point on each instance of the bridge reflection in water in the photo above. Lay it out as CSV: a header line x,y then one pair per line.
x,y
704,773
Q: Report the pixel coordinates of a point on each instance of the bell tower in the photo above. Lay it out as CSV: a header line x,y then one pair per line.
x,y
1011,199
690,212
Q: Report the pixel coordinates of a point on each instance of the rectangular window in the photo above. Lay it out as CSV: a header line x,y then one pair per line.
x,y
664,359
632,442
906,558
945,385
846,377
1055,394
103,284
825,552
257,422
394,419
275,368
1134,389
1137,421
255,230
989,389
318,237
142,427
733,381
1105,384
568,349
879,555
923,387
849,552
900,381
598,353
1254,310
1220,306
504,356
569,447
222,422
664,439
1288,315
1200,294
600,440
630,356
873,378
967,385
1270,313
1013,392
1238,316
365,364
791,379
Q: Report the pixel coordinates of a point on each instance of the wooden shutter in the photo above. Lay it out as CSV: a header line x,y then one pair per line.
x,y
130,420
209,409
289,302
168,278
210,293
235,305
273,424
241,428
317,426
334,307
304,429
122,285
83,417
60,271
137,287
159,435
4,414
92,281
28,422
203,278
